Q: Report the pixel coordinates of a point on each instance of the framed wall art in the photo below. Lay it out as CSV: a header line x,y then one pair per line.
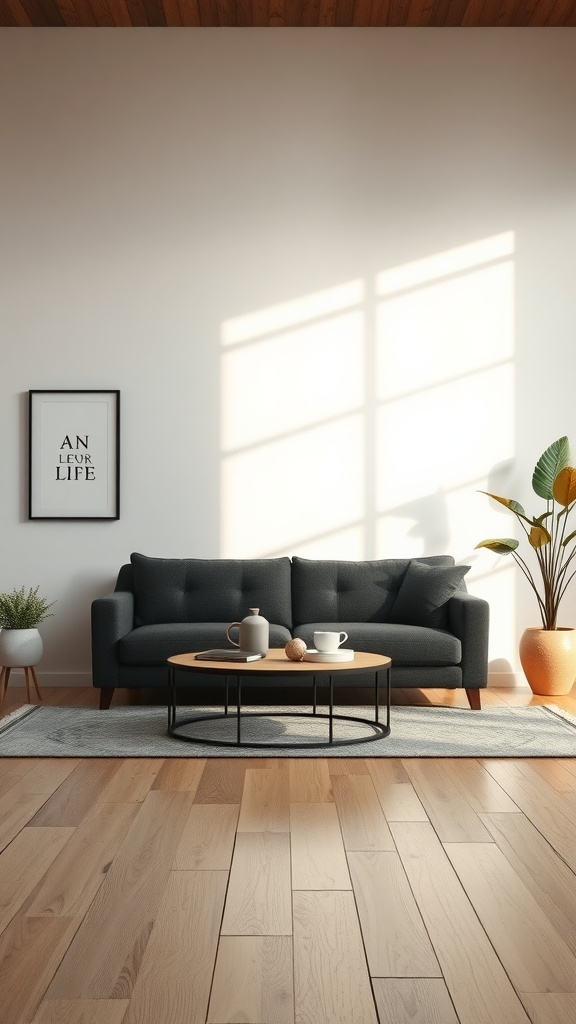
x,y
74,455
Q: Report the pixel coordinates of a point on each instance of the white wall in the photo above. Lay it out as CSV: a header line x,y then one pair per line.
x,y
374,227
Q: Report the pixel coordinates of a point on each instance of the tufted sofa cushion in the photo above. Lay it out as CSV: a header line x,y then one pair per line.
x,y
210,590
341,591
406,645
152,645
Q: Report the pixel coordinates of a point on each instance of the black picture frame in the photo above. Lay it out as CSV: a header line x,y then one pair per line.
x,y
74,454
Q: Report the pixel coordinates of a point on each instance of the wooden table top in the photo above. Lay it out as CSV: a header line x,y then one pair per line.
x,y
276,662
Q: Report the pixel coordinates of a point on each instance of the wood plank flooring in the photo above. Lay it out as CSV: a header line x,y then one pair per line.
x,y
288,891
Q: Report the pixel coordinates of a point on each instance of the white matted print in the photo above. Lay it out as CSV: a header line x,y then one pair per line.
x,y
74,455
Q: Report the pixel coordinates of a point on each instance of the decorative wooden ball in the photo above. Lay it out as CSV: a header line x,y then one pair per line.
x,y
295,649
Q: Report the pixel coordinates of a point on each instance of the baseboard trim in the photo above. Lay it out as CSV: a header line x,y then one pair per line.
x,y
508,680
52,678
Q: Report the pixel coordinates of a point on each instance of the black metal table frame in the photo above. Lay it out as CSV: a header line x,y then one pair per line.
x,y
380,729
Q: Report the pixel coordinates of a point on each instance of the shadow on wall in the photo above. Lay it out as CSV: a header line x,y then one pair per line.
x,y
430,522
501,478
502,673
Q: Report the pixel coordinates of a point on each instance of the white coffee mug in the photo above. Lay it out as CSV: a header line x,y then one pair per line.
x,y
327,641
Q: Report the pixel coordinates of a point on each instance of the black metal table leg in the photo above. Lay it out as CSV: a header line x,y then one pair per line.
x,y
388,696
171,697
239,704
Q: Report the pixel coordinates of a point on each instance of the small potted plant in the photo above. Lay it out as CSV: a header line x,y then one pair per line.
x,y
21,645
547,653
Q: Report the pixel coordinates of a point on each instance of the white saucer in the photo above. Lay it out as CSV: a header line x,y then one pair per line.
x,y
342,654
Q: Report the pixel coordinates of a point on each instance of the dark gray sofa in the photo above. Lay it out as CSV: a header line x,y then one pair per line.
x,y
415,611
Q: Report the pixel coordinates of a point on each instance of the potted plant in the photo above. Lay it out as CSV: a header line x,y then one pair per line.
x,y
21,645
547,653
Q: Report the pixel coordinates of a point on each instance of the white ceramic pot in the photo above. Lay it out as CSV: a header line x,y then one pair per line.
x,y
20,648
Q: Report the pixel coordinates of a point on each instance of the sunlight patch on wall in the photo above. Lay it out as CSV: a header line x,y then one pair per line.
x,y
445,330
292,427
287,314
444,264
279,496
331,545
498,585
361,421
443,436
445,393
286,382
444,378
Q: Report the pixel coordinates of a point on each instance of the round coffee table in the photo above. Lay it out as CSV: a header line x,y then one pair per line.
x,y
277,665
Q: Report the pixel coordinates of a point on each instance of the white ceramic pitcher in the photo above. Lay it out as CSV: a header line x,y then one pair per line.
x,y
254,633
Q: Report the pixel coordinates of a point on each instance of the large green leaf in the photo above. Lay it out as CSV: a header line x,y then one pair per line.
x,y
501,545
550,463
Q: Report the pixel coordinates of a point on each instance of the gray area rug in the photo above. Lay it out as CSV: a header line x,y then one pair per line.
x,y
36,731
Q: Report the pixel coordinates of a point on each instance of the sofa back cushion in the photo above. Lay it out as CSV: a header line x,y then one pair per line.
x,y
210,589
340,591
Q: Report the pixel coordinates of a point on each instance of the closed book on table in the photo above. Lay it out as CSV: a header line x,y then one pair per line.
x,y
231,655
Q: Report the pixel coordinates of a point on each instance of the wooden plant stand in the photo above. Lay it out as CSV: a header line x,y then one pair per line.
x,y
28,672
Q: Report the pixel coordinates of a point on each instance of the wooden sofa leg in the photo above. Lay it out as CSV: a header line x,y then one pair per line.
x,y
4,677
474,699
106,694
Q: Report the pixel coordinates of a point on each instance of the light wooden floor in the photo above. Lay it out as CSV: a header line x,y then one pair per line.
x,y
274,891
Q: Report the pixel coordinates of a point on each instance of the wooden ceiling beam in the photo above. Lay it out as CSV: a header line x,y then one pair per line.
x,y
288,13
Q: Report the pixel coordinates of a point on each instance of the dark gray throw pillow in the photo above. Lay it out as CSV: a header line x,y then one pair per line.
x,y
424,592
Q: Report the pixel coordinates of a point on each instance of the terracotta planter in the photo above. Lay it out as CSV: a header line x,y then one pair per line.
x,y
548,657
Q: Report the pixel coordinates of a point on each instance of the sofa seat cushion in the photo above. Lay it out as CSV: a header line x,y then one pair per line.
x,y
152,645
406,645
210,589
